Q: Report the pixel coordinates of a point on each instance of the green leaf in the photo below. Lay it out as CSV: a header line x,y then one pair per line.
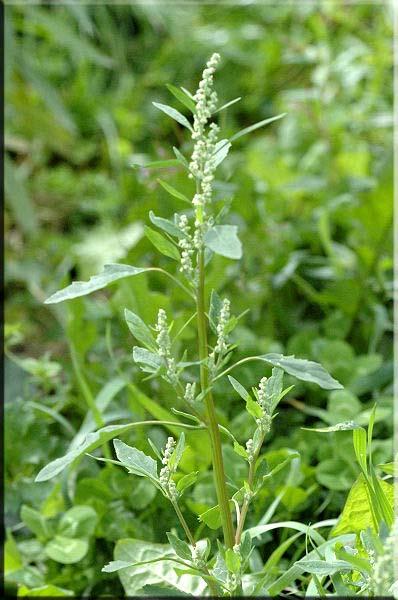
x,y
161,243
182,97
221,152
253,408
78,522
139,329
166,225
357,512
321,567
273,389
212,516
111,273
91,442
281,465
35,522
388,468
307,529
238,387
227,104
174,114
223,240
255,126
177,454
158,164
135,578
305,370
181,158
149,361
186,481
135,460
117,565
173,192
49,591
358,563
240,450
360,445
215,310
345,426
180,547
66,550
232,561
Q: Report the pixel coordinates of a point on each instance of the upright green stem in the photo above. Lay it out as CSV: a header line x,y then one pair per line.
x,y
246,502
215,440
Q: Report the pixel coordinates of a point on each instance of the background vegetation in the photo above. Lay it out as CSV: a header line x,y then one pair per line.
x,y
311,194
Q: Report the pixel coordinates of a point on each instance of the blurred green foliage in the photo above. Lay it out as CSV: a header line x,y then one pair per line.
x,y
311,194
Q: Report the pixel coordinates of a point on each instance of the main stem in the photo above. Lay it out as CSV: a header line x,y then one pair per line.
x,y
212,424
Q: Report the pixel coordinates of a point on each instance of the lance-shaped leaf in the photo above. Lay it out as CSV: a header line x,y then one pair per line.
x,y
167,225
135,460
306,370
161,243
174,114
238,387
273,389
220,152
255,126
223,240
181,96
344,426
180,547
139,329
148,361
177,454
111,273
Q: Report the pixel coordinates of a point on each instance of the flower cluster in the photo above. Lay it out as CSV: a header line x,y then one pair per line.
x,y
250,450
189,395
187,247
264,422
164,346
197,558
383,583
203,165
222,339
222,336
167,470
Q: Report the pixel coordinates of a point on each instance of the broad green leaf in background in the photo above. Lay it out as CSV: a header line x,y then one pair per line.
x,y
66,550
357,512
223,240
48,591
35,521
78,522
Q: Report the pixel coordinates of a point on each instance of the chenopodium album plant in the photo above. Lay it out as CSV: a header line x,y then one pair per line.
x,y
192,238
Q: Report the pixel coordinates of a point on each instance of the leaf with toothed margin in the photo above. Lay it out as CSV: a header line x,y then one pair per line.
x,y
111,273
305,370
